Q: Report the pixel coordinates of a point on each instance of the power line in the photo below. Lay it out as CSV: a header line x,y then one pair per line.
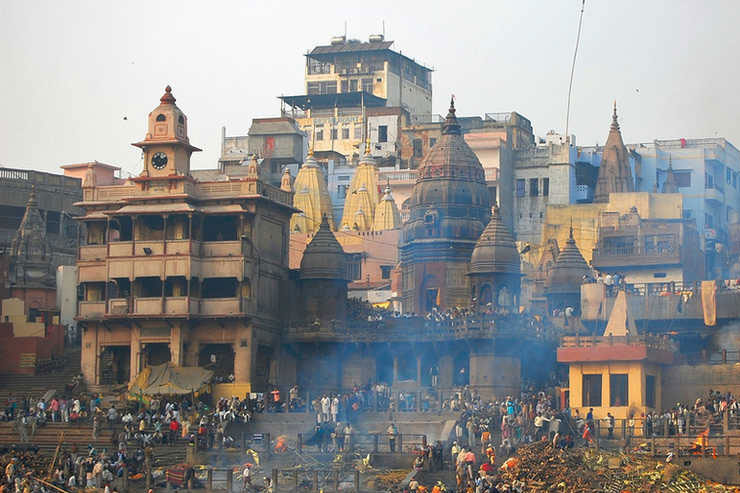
x,y
573,68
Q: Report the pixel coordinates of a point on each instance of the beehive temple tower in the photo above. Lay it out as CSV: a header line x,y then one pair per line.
x,y
449,207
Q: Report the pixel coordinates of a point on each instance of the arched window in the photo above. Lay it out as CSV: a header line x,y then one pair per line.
x,y
161,117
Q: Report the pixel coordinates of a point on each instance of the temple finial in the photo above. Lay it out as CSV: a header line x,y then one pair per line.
x,y
615,122
570,234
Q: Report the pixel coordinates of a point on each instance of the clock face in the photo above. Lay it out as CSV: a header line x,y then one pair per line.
x,y
159,160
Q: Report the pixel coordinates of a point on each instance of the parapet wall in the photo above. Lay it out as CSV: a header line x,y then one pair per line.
x,y
684,383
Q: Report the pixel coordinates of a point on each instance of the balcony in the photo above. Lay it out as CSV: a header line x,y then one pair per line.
x,y
173,306
91,273
714,195
118,306
121,248
147,306
178,305
155,247
91,309
93,252
220,306
604,258
221,249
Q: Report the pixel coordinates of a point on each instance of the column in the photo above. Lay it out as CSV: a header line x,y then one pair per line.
x,y
135,352
176,336
244,355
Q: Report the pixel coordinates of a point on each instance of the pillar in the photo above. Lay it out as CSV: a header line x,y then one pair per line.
x,y
176,337
135,352
244,354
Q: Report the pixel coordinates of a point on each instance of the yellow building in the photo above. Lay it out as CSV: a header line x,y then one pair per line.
x,y
618,373
357,92
362,196
311,198
387,215
585,217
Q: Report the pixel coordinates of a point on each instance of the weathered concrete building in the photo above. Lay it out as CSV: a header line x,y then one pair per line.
x,y
181,266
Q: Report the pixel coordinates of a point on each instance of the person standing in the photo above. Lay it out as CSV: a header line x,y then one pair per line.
x,y
334,408
391,431
325,408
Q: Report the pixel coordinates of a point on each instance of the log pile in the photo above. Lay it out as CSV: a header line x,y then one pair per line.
x,y
540,468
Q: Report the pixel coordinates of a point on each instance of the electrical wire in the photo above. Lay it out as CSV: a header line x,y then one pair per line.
x,y
573,69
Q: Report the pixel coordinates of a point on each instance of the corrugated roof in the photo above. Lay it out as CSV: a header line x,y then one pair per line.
x,y
351,47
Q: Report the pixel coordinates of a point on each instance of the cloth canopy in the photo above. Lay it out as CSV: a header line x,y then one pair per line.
x,y
168,379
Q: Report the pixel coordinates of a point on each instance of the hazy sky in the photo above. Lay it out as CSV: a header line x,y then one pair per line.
x,y
72,70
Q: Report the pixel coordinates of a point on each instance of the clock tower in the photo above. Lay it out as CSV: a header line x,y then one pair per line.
x,y
166,147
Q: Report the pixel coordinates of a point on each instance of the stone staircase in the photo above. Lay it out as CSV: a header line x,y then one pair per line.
x,y
432,424
35,386
47,436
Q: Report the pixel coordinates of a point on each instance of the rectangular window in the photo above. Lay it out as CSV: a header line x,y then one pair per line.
x,y
533,187
521,185
383,133
345,132
345,85
708,221
683,178
334,135
354,266
385,271
734,180
313,88
618,389
353,85
367,85
708,180
591,390
432,141
728,174
650,391
545,187
319,134
418,149
358,131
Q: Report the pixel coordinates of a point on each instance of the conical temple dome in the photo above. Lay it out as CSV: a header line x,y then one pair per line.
x,y
311,197
362,193
495,250
567,274
324,257
386,214
615,174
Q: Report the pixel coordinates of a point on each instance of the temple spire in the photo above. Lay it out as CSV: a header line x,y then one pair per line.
x,y
451,125
615,173
670,185
615,122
